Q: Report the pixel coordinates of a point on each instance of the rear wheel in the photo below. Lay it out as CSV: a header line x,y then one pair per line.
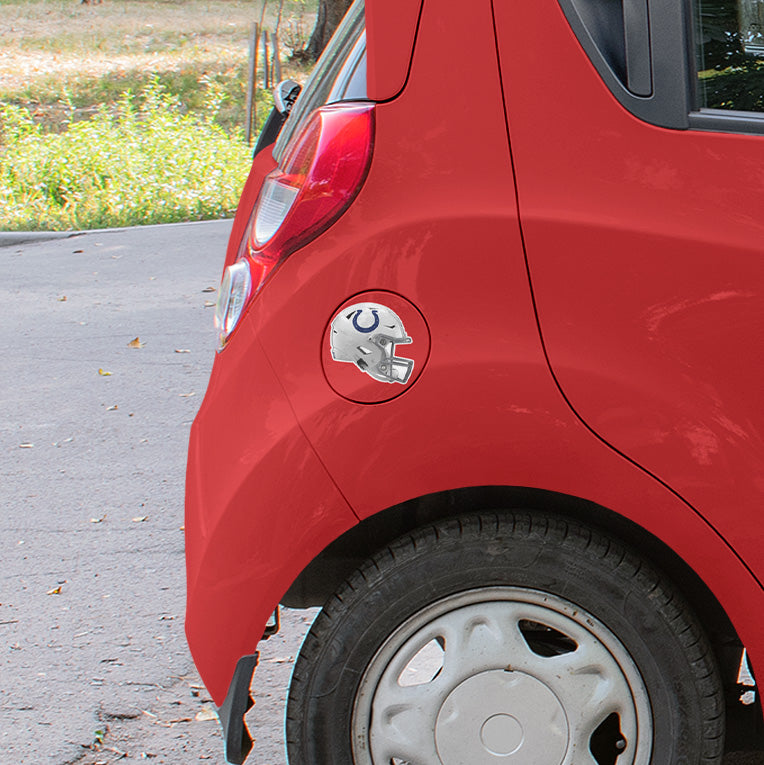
x,y
505,639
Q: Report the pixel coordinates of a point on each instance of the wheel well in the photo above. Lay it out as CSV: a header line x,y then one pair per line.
x,y
337,561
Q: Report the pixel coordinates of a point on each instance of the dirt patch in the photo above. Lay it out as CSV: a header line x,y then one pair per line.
x,y
63,60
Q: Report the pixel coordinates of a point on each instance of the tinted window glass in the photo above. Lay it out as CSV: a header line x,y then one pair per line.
x,y
356,87
730,54
318,88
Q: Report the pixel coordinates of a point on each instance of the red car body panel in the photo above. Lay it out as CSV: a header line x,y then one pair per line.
x,y
658,342
249,525
650,407
390,32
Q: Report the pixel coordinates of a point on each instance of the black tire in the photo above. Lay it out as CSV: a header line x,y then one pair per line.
x,y
488,565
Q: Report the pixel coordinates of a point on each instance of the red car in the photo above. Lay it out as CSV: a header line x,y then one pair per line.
x,y
489,390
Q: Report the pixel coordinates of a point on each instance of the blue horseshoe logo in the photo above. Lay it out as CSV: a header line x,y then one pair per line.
x,y
366,330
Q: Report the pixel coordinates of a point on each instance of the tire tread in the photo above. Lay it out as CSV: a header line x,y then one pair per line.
x,y
549,532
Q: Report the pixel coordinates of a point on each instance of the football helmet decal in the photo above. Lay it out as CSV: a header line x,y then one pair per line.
x,y
365,334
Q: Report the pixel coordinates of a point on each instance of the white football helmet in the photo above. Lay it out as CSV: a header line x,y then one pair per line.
x,y
365,334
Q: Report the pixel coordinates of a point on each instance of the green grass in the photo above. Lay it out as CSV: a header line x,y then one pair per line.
x,y
143,162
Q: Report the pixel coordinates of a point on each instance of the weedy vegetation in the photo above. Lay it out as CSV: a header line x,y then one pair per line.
x,y
129,112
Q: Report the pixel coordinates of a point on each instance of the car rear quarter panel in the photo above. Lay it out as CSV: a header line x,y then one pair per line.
x,y
259,506
436,222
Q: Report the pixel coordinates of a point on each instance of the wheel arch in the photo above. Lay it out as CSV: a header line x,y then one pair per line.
x,y
337,561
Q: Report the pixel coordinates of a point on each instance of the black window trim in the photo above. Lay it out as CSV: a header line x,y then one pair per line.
x,y
669,44
672,40
718,120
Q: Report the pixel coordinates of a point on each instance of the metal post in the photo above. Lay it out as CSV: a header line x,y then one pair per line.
x,y
276,68
251,116
266,67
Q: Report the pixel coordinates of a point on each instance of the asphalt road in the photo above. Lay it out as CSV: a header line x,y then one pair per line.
x,y
94,666
93,435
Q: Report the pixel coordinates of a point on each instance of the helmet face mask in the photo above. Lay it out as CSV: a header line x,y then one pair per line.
x,y
365,334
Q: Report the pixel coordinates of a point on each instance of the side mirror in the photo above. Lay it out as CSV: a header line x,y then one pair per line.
x,y
284,96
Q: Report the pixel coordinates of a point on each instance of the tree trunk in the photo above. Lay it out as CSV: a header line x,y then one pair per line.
x,y
330,13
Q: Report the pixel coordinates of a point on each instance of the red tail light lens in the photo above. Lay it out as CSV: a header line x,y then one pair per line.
x,y
320,174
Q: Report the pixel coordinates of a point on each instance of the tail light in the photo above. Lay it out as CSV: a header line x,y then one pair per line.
x,y
320,174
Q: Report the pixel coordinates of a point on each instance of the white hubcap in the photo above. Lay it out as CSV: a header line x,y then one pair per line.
x,y
502,676
501,717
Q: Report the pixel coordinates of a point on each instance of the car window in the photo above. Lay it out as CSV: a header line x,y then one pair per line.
x,y
729,47
341,63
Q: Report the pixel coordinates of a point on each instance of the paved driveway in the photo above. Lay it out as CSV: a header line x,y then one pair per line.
x,y
93,435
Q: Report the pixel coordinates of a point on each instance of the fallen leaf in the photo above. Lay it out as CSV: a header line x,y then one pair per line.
x,y
209,289
54,591
140,518
26,446
104,373
136,343
62,299
111,408
206,713
98,520
187,395
208,304
182,350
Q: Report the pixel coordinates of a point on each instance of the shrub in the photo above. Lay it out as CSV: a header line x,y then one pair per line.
x,y
142,162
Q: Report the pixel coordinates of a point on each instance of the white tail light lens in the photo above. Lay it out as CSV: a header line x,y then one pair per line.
x,y
276,200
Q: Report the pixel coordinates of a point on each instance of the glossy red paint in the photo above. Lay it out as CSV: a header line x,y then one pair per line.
x,y
390,33
658,340
247,450
639,394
